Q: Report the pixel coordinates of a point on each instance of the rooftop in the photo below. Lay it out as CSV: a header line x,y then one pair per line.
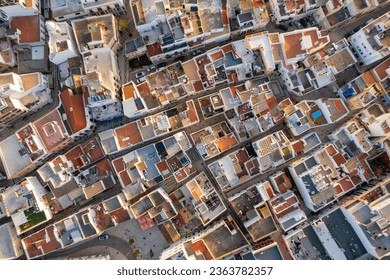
x,y
29,27
345,235
51,130
224,240
73,105
41,243
61,8
95,30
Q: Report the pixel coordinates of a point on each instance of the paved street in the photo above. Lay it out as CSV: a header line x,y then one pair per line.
x,y
113,245
338,33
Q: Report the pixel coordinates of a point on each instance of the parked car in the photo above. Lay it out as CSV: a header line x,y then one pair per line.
x,y
282,26
195,53
139,75
140,80
298,24
180,58
161,65
305,23
151,68
103,237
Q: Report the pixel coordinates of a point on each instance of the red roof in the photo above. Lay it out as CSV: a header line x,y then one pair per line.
x,y
380,70
154,49
74,109
51,130
29,27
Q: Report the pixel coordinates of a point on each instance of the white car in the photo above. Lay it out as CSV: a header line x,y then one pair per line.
x,y
140,80
151,68
139,75
103,237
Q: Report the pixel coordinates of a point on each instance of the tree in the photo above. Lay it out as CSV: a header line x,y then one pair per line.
x,y
123,25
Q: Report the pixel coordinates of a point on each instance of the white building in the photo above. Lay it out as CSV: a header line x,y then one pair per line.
x,y
61,42
27,205
96,32
21,94
100,7
10,244
371,43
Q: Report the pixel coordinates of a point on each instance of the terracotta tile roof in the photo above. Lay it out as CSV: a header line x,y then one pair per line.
x,y
146,222
154,49
126,180
227,48
180,175
380,70
339,105
217,55
298,146
103,167
225,19
282,183
331,150
339,159
74,155
198,86
51,130
368,79
191,113
92,148
201,247
128,134
29,27
257,3
292,45
226,142
41,242
120,215
74,110
129,91
338,189
367,170
346,184
118,164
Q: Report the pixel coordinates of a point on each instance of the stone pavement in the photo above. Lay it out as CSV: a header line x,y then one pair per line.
x,y
147,240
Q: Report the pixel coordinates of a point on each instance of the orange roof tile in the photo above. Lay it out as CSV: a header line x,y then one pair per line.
x,y
227,48
217,55
120,215
191,113
380,70
226,142
154,49
225,19
331,150
339,105
51,130
74,155
29,27
129,91
198,86
103,167
41,242
292,45
339,159
346,184
118,164
74,110
126,180
92,148
128,134
368,79
298,146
